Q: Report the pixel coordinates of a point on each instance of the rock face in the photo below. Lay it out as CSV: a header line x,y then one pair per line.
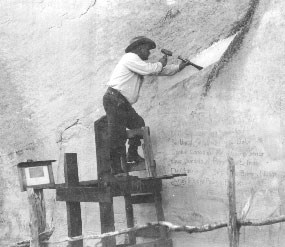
x,y
56,57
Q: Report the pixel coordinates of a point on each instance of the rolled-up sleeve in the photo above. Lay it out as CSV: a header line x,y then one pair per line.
x,y
135,64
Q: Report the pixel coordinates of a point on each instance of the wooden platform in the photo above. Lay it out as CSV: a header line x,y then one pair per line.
x,y
89,191
130,185
135,190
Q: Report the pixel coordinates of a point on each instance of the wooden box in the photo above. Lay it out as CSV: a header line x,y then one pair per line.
x,y
36,174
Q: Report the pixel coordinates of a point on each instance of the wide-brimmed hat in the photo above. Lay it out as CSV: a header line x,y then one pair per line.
x,y
139,41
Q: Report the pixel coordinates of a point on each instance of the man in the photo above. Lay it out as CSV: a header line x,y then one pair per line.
x,y
124,87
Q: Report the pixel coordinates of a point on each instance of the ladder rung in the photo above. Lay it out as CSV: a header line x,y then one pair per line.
x,y
135,132
144,198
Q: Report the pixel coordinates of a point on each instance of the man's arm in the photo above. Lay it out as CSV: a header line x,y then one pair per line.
x,y
172,69
135,64
168,70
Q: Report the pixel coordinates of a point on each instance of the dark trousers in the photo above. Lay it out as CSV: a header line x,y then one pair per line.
x,y
120,115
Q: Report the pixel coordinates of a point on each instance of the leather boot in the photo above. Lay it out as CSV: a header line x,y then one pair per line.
x,y
133,155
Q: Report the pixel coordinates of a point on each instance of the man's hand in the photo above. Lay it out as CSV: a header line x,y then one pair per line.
x,y
182,65
163,60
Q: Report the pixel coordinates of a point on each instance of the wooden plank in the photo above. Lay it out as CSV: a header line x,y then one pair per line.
x,y
74,222
22,179
233,228
89,183
148,153
37,211
107,222
158,206
50,172
130,217
125,177
144,198
42,186
83,194
136,186
160,214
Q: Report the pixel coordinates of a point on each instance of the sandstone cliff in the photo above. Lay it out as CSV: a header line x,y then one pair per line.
x,y
56,57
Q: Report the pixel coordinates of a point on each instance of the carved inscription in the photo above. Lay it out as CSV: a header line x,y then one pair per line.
x,y
200,141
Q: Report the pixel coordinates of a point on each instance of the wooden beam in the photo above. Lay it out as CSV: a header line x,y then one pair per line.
x,y
233,228
89,183
83,194
137,186
148,153
22,179
71,169
102,148
144,198
50,171
107,223
74,222
160,214
42,186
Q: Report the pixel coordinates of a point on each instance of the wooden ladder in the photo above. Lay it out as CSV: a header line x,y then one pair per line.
x,y
134,190
149,164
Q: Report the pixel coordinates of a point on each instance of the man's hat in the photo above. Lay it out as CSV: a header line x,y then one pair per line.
x,y
139,41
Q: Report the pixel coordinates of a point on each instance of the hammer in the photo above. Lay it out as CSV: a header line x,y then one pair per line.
x,y
169,53
166,52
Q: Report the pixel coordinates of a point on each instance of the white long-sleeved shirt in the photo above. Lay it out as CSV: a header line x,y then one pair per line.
x,y
127,76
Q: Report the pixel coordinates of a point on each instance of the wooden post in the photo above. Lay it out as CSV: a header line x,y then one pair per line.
x,y
74,222
148,153
102,149
130,217
102,141
107,222
160,214
233,228
37,215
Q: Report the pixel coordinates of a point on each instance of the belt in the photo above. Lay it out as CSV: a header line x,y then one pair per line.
x,y
115,92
